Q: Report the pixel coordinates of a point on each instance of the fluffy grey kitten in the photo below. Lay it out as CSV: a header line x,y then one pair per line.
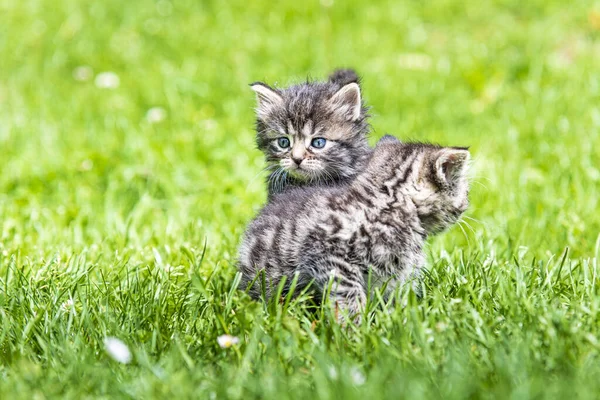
x,y
312,133
381,220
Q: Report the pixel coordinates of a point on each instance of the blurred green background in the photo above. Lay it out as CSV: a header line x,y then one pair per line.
x,y
126,131
517,82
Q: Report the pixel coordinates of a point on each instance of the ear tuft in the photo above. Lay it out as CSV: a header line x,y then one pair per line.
x,y
266,96
451,164
344,76
347,101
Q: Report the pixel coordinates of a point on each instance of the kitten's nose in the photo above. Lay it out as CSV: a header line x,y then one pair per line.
x,y
298,161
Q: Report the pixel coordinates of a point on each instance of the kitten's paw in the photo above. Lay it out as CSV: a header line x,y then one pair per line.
x,y
350,311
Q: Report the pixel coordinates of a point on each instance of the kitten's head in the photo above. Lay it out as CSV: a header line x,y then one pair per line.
x,y
433,177
314,131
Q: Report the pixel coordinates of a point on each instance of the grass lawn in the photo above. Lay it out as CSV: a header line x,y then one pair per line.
x,y
128,173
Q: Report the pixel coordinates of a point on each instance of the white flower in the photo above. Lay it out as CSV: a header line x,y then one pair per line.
x,y
86,165
83,73
67,305
441,326
107,80
357,377
226,341
333,373
117,350
156,115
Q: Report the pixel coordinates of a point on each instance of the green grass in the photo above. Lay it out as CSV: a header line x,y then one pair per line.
x,y
111,225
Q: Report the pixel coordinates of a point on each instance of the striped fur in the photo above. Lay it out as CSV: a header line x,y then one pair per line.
x,y
333,110
379,220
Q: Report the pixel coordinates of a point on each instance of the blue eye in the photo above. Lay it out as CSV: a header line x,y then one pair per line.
x,y
283,142
318,143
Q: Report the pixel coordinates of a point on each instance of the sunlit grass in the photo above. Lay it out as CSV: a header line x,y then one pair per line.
x,y
128,173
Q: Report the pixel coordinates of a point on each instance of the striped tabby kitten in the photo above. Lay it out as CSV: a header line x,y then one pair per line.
x,y
407,192
312,133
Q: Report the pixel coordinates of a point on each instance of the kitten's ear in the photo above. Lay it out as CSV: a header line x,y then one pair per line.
x,y
451,164
344,76
347,101
388,139
267,97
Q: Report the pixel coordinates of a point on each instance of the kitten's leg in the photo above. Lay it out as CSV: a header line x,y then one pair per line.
x,y
350,302
347,287
394,275
416,276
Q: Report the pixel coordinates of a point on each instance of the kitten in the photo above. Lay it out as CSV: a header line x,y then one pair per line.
x,y
312,133
407,192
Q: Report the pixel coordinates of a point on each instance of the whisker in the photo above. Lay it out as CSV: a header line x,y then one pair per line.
x,y
468,226
483,177
480,184
275,180
277,185
475,220
268,167
282,181
464,233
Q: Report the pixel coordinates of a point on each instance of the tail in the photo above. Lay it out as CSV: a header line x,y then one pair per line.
x,y
344,76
